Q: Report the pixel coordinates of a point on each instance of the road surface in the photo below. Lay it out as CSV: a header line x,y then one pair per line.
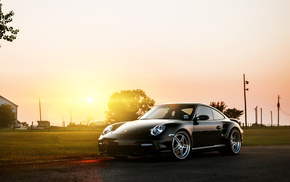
x,y
268,163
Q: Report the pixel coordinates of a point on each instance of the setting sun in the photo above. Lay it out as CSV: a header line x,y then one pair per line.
x,y
89,100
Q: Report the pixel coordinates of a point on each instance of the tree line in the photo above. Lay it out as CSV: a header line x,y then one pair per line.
x,y
7,116
126,105
229,112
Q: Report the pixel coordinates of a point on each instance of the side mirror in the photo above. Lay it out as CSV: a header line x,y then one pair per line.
x,y
200,117
203,117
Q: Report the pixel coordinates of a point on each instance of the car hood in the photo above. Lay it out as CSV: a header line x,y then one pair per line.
x,y
139,126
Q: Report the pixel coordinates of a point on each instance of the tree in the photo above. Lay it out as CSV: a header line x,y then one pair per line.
x,y
89,119
128,105
7,116
221,106
93,124
229,112
7,32
234,113
71,124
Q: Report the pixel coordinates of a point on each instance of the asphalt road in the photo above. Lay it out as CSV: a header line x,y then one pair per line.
x,y
271,163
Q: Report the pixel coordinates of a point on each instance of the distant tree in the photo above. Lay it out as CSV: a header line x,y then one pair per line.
x,y
229,112
234,113
258,125
128,105
7,116
221,106
89,119
7,32
93,124
71,124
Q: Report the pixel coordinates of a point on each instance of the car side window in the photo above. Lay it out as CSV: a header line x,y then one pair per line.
x,y
202,110
217,115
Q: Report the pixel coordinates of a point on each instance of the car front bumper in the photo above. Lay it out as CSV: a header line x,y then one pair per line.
x,y
133,147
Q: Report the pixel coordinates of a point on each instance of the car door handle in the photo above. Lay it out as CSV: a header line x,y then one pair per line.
x,y
218,127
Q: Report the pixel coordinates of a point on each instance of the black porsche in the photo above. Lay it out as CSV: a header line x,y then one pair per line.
x,y
178,128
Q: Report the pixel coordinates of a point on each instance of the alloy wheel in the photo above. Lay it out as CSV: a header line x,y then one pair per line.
x,y
181,145
235,142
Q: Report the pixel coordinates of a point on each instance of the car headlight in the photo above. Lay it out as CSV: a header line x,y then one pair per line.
x,y
108,129
157,129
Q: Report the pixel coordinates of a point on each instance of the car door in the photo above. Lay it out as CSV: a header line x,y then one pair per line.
x,y
205,132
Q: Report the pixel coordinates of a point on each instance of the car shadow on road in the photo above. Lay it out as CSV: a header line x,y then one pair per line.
x,y
165,158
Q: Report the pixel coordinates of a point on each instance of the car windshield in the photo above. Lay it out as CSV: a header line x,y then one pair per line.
x,y
171,111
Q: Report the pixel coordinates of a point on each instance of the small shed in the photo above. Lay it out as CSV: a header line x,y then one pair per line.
x,y
43,124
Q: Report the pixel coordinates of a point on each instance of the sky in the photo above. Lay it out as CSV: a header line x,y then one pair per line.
x,y
176,51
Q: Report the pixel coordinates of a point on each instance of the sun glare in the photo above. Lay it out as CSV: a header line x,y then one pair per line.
x,y
89,100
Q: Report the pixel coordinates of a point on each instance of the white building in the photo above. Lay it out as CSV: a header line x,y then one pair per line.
x,y
3,100
43,124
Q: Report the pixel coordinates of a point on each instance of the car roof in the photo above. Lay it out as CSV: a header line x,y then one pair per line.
x,y
182,103
192,103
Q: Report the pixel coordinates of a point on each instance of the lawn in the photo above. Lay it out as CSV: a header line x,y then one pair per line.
x,y
266,136
34,147
31,147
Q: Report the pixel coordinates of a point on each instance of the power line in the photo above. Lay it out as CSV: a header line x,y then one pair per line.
x,y
285,112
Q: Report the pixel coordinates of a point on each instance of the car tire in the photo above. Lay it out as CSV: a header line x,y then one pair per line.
x,y
233,143
181,145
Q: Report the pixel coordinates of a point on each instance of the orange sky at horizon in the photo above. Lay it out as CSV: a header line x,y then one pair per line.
x,y
176,51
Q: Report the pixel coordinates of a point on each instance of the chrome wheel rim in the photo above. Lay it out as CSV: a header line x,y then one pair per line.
x,y
235,142
180,145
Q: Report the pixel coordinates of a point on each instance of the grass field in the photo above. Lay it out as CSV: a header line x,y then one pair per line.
x,y
31,147
35,147
267,136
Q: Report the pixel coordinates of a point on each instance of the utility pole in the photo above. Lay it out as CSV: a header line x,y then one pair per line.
x,y
70,117
63,123
278,106
271,119
39,110
261,117
245,100
256,115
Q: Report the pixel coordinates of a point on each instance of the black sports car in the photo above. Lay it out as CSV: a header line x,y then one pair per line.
x,y
176,128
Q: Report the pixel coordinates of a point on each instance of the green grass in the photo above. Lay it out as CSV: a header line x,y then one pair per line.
x,y
43,146
266,136
31,147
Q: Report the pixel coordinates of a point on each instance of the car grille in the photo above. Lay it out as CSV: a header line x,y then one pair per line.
x,y
112,148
